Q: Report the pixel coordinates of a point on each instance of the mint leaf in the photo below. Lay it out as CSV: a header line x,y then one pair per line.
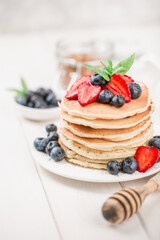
x,y
19,92
125,65
110,65
110,73
100,71
24,85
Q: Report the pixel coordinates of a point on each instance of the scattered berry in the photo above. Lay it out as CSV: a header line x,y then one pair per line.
x,y
88,93
146,157
97,79
73,91
127,78
135,90
118,100
105,96
155,142
57,154
51,127
129,165
117,85
22,101
40,143
113,167
50,146
52,136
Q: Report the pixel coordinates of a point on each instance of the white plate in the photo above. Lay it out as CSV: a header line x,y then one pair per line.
x,y
68,170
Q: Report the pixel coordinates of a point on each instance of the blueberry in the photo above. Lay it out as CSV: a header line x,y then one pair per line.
x,y
50,146
48,91
51,127
36,98
129,165
40,104
40,143
52,136
105,96
29,94
22,101
57,154
135,90
113,167
118,100
155,142
53,105
51,99
41,92
30,104
97,79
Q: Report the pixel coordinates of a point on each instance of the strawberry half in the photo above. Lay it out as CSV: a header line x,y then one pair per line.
x,y
146,157
73,91
88,93
127,78
117,85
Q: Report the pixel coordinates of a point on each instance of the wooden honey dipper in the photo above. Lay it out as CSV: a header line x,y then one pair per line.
x,y
123,204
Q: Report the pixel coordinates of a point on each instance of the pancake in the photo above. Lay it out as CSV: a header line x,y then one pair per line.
x,y
106,145
109,123
97,154
112,134
96,110
85,164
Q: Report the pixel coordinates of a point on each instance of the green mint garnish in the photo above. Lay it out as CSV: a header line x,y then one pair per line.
x,y
20,93
121,68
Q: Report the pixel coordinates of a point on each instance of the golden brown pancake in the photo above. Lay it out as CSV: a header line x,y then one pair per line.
x,y
112,134
106,145
96,110
109,123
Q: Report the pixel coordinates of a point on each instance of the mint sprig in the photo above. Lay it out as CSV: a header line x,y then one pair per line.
x,y
20,93
121,68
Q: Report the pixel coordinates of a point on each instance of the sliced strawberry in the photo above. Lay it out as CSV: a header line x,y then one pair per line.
x,y
127,78
88,93
117,85
73,91
146,157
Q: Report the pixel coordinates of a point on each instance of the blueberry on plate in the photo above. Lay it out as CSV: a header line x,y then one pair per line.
x,y
50,146
30,104
118,100
129,165
155,142
41,92
135,90
40,143
57,154
52,136
51,99
97,79
105,96
113,167
22,101
51,127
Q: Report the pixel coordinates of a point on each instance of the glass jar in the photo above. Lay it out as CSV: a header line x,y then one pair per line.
x,y
72,55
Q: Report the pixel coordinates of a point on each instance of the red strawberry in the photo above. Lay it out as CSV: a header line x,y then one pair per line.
x,y
73,91
117,85
127,78
146,157
88,93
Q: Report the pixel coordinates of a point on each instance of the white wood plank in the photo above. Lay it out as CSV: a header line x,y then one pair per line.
x,y
24,209
77,205
149,213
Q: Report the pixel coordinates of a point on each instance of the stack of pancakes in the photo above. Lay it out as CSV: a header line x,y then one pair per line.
x,y
98,133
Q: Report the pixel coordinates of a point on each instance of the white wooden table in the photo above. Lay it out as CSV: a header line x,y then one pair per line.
x,y
34,203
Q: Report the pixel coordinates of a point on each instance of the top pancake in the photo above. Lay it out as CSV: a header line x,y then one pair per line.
x,y
107,111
